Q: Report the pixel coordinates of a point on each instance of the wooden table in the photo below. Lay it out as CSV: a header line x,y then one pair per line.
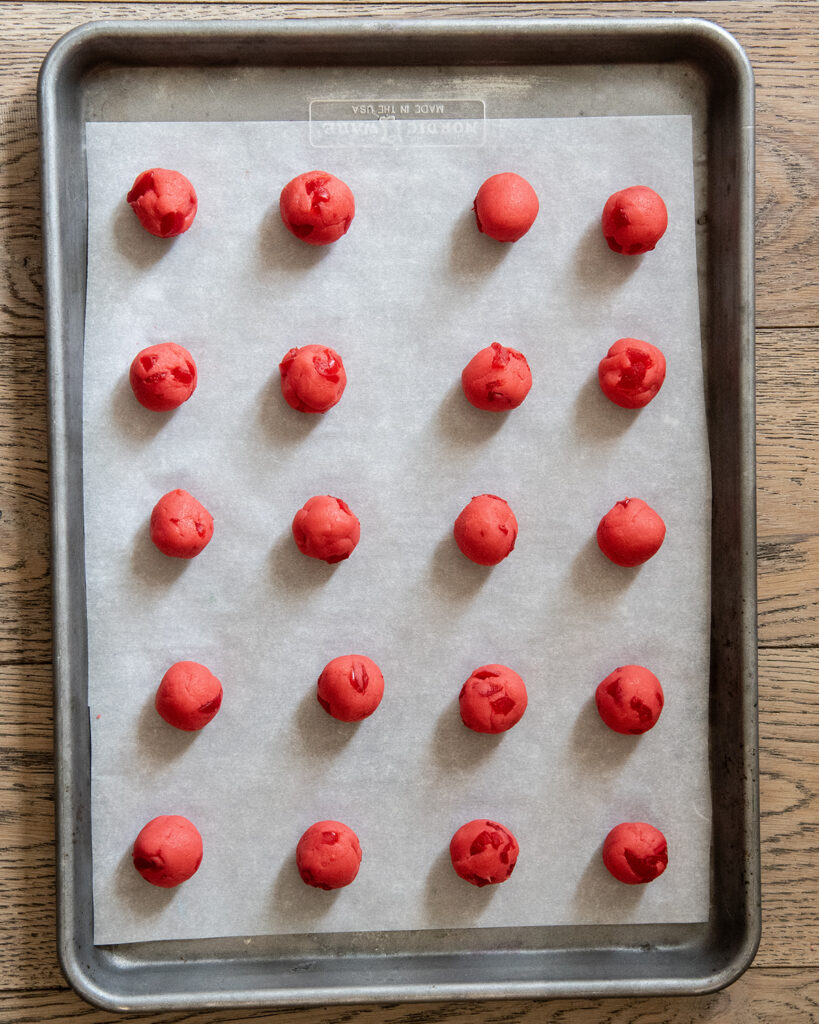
x,y
782,986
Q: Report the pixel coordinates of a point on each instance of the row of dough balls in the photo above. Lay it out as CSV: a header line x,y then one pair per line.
x,y
313,377
319,208
351,687
169,850
486,529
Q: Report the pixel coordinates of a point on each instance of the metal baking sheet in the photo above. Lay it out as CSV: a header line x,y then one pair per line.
x,y
535,68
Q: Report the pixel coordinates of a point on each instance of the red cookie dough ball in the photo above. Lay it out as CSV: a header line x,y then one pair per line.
x,y
631,373
630,533
180,526
634,220
188,696
483,852
168,851
505,207
630,700
326,528
497,378
328,855
493,699
163,376
164,201
486,530
317,207
635,852
350,687
313,378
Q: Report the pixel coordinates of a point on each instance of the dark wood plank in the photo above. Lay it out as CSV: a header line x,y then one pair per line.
x,y
789,796
787,205
21,290
788,590
28,952
787,487
25,604
25,609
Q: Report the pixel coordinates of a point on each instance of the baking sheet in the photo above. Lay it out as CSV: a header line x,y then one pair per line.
x,y
406,297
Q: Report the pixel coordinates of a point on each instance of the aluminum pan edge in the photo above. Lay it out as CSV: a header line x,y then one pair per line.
x,y
64,63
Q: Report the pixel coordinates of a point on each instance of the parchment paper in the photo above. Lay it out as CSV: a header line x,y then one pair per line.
x,y
407,297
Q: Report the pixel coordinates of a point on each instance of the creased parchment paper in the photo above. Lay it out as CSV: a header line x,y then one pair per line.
x,y
407,297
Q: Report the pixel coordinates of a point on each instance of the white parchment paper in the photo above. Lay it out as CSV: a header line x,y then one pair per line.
x,y
407,297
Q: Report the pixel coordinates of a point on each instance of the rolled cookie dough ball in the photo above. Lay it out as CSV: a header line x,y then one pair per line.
x,y
350,687
630,700
164,201
180,526
328,855
483,852
505,207
326,528
630,533
631,373
313,378
634,220
486,530
189,696
317,207
163,376
497,378
168,851
493,699
635,852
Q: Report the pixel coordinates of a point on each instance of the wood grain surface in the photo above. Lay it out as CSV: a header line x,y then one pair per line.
x,y
782,986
